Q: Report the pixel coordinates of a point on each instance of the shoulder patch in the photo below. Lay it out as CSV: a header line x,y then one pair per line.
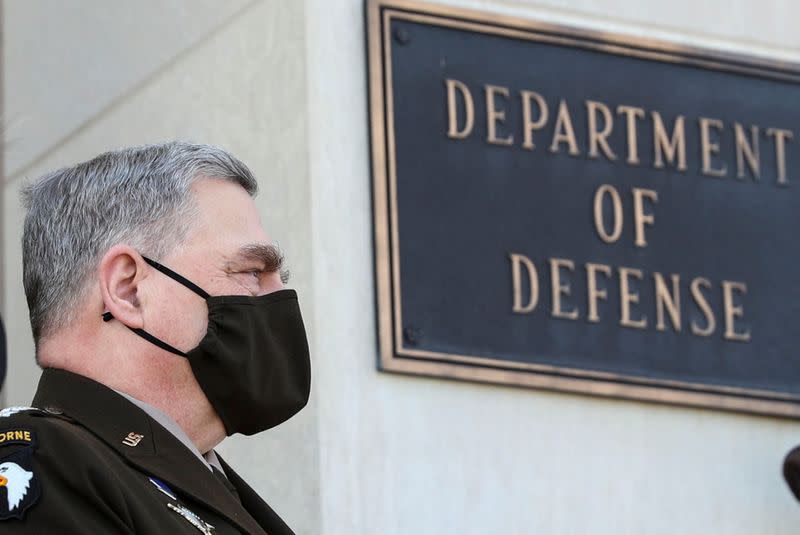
x,y
17,435
19,484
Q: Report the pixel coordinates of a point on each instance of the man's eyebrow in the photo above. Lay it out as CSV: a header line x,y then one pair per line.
x,y
268,256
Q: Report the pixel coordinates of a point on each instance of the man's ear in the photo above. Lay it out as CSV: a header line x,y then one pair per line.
x,y
121,271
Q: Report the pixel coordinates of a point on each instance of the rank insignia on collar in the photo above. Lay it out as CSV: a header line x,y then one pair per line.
x,y
204,527
19,484
132,439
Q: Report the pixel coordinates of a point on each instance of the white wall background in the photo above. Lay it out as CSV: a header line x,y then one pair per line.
x,y
282,83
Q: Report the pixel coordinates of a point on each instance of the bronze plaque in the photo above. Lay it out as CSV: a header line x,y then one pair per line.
x,y
583,212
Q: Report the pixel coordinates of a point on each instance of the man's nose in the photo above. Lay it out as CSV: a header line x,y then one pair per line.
x,y
271,283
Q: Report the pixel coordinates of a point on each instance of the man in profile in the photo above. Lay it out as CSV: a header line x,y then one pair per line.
x,y
162,325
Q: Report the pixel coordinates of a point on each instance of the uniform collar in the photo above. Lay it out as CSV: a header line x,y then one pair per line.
x,y
119,423
209,459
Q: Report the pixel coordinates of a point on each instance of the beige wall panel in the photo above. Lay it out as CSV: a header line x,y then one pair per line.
x,y
406,455
65,62
763,28
242,88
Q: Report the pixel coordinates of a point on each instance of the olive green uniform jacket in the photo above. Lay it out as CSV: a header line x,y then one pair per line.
x,y
91,475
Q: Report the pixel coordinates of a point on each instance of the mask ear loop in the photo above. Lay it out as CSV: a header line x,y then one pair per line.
x,y
107,316
178,278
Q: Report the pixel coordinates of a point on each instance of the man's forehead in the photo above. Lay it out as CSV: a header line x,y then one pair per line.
x,y
227,218
215,195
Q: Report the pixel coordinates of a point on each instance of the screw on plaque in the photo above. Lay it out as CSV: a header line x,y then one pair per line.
x,y
401,35
412,335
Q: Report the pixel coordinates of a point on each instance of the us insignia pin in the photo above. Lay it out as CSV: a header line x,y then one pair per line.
x,y
132,439
19,485
204,527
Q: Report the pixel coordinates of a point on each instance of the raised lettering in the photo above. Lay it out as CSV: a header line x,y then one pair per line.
x,y
669,147
599,223
453,131
631,114
495,116
563,131
559,289
780,151
519,261
733,311
594,293
705,308
639,217
708,148
669,301
627,297
529,125
599,138
747,150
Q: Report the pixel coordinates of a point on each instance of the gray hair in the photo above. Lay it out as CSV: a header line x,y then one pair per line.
x,y
140,196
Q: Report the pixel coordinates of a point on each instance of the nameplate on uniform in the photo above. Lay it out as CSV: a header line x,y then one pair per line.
x,y
584,212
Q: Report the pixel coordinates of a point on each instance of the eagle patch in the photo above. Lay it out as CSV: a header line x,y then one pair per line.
x,y
19,485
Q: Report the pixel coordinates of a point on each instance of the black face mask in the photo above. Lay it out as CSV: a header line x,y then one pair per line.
x,y
253,363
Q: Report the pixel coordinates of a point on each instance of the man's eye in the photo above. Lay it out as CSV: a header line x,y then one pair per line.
x,y
255,274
